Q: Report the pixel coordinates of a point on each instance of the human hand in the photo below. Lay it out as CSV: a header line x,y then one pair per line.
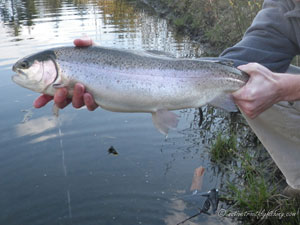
x,y
80,96
261,91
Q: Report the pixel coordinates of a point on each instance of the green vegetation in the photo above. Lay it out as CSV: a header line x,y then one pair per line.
x,y
223,149
221,23
259,205
296,61
255,187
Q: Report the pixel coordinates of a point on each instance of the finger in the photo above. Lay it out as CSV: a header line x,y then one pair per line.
x,y
60,98
89,101
83,42
249,68
246,112
252,115
249,109
64,103
77,100
253,68
42,100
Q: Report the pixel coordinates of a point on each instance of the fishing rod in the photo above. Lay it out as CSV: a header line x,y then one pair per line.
x,y
212,201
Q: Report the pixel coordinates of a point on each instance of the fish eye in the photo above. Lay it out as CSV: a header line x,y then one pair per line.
x,y
24,64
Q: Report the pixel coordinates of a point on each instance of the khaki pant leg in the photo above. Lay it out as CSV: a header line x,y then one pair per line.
x,y
278,129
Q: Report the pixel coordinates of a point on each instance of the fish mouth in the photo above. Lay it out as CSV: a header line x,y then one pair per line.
x,y
19,77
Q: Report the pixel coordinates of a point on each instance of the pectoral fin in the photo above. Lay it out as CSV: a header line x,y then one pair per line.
x,y
57,85
164,120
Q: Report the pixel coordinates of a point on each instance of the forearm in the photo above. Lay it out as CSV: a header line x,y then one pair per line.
x,y
272,40
289,86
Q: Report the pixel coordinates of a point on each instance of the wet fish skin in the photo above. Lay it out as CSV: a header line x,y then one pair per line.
x,y
125,81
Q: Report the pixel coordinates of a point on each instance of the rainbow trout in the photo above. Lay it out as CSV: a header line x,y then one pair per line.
x,y
125,81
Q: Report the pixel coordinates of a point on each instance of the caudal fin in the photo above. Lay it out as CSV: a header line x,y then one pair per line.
x,y
226,102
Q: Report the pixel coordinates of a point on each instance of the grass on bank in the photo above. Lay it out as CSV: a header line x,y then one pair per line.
x,y
223,148
255,189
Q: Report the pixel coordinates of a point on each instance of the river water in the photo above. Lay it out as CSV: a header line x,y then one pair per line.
x,y
59,171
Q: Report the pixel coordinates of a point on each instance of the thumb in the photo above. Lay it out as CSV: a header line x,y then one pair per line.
x,y
249,69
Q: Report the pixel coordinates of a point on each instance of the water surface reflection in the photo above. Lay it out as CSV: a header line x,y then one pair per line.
x,y
58,171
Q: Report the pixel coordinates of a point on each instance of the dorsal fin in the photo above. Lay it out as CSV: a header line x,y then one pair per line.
x,y
226,62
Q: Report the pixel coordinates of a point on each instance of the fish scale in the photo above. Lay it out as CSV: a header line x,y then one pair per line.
x,y
130,81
